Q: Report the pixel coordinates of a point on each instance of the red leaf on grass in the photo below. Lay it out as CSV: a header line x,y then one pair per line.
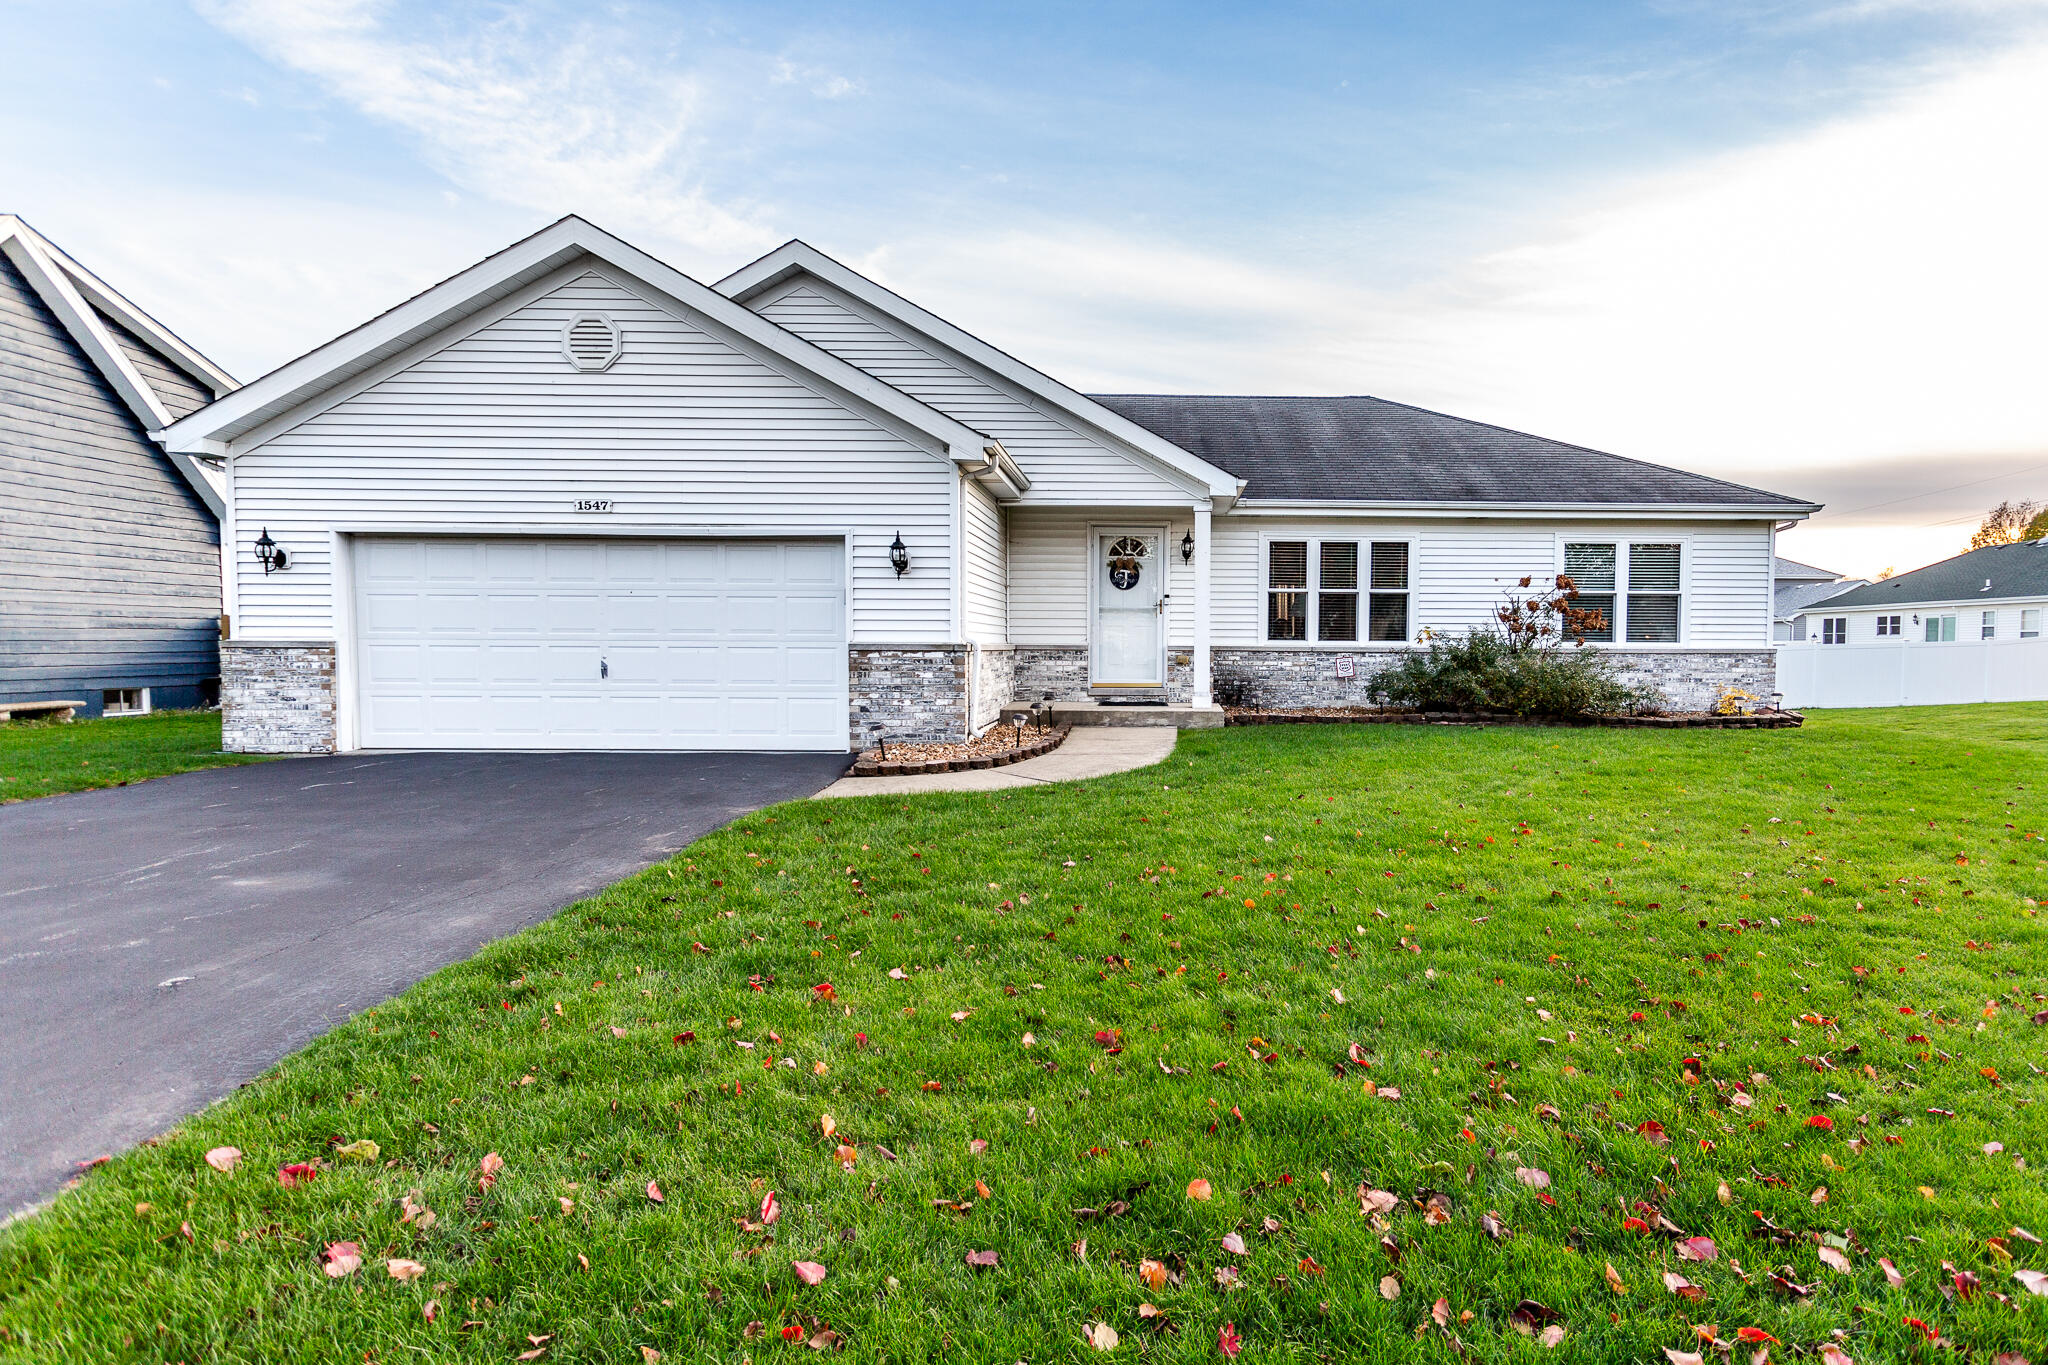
x,y
982,1260
810,1272
1697,1249
298,1173
1227,1340
341,1259
654,1192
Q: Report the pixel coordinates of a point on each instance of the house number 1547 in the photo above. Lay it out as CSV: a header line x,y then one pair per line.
x,y
593,504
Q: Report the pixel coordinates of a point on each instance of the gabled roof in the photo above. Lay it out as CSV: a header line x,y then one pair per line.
x,y
1989,574
110,329
1370,451
795,258
1789,599
1792,571
497,277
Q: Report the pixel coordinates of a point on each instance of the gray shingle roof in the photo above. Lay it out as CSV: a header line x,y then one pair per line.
x,y
1362,449
1792,598
2011,570
1783,569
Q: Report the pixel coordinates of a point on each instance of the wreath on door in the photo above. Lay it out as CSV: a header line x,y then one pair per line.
x,y
1125,567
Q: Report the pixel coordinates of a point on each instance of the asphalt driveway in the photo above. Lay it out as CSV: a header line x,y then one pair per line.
x,y
162,943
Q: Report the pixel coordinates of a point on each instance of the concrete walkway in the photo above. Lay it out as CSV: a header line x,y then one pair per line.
x,y
1090,751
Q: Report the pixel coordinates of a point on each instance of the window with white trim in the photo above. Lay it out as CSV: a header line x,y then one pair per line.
x,y
1591,570
1287,590
1653,593
1988,630
124,701
1389,605
1314,591
2030,622
1887,626
1834,630
1941,628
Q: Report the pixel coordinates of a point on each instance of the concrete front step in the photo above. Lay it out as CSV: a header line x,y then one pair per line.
x,y
1178,715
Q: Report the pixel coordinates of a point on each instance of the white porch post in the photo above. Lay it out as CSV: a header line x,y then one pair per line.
x,y
1201,689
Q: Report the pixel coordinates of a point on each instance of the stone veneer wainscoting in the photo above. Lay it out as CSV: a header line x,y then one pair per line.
x,y
995,683
1062,670
277,697
916,693
1690,679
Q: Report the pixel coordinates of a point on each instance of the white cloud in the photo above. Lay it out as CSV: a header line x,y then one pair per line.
x,y
577,122
1866,290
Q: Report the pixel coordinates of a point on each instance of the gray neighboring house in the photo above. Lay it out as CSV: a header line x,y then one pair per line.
x,y
1998,592
1795,587
109,545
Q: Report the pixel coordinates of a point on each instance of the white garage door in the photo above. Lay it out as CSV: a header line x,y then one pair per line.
x,y
600,644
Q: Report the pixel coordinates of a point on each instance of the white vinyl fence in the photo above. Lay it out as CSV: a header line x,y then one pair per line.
x,y
1912,673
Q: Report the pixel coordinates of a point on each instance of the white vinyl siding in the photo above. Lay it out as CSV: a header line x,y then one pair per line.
x,y
1458,571
1050,565
1064,464
684,434
987,579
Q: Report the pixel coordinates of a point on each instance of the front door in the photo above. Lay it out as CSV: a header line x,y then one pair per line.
x,y
1129,646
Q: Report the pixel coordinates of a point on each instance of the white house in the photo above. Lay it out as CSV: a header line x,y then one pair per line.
x,y
1968,629
1799,586
573,498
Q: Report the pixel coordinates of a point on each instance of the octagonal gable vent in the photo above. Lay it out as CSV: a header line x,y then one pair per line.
x,y
591,341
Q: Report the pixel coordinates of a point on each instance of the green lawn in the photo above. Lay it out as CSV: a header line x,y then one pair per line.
x,y
42,758
1300,964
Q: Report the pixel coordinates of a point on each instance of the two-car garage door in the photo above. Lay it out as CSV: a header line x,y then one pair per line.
x,y
600,644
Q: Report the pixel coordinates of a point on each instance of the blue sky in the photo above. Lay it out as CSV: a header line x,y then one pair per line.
x,y
1795,243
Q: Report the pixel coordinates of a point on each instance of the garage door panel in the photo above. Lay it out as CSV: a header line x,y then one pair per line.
x,y
814,667
498,643
453,561
512,561
635,615
751,615
392,612
812,615
508,614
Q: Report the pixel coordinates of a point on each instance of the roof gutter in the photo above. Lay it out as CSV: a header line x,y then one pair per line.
x,y
1276,507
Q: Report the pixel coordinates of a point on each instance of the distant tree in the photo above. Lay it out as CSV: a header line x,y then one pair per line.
x,y
1886,572
2010,521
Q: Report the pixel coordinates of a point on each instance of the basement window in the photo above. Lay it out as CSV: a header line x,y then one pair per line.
x,y
125,701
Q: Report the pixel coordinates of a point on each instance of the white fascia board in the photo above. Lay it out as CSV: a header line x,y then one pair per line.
x,y
109,301
302,381
76,316
797,257
1304,507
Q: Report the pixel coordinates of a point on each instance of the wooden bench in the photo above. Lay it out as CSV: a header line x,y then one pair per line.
x,y
47,710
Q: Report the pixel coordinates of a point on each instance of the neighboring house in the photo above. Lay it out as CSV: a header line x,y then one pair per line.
x,y
109,547
572,498
1798,586
1967,629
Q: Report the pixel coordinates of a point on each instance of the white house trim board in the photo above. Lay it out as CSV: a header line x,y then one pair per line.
x,y
796,257
442,307
59,293
109,301
1308,507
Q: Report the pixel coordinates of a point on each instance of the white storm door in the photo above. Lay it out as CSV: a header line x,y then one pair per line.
x,y
518,643
1128,643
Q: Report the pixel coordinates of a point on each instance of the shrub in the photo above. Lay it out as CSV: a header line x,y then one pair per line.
x,y
1533,663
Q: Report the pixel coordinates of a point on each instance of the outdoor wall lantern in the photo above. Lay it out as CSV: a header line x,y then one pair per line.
x,y
270,554
1187,548
899,556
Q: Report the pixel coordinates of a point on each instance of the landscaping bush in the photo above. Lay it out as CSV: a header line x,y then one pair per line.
x,y
1533,663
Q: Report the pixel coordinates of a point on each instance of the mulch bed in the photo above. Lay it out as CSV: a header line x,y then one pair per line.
x,y
1687,720
995,749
